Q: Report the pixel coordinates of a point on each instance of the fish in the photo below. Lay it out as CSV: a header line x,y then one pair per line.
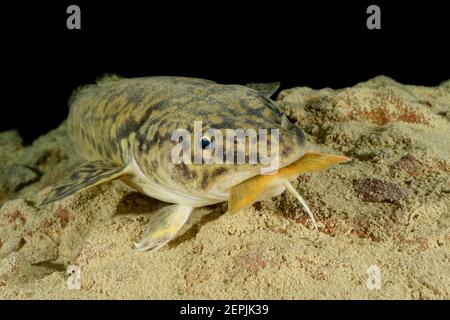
x,y
124,129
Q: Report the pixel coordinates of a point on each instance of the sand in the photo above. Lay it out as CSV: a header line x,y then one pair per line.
x,y
389,208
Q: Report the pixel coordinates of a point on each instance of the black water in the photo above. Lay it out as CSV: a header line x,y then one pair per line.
x,y
315,44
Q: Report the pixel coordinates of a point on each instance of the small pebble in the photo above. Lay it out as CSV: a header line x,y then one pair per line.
x,y
376,190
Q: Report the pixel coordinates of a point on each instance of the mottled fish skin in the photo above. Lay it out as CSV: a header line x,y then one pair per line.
x,y
113,120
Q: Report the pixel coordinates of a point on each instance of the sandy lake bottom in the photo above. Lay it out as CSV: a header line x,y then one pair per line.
x,y
385,214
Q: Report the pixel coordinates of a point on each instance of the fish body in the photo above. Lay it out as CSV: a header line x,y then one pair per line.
x,y
130,122
124,129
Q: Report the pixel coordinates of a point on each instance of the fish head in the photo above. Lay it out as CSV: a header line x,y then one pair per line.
x,y
228,134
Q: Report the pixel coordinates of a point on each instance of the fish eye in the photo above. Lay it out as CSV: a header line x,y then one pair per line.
x,y
205,143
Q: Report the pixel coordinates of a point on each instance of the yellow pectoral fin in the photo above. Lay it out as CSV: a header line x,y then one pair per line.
x,y
248,192
311,162
259,187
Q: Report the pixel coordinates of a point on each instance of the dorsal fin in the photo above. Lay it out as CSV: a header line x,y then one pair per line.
x,y
101,80
107,78
266,89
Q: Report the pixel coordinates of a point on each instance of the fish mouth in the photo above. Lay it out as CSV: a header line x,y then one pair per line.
x,y
275,189
290,148
227,182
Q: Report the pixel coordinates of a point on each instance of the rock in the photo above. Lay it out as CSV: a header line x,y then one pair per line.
x,y
376,190
10,146
407,164
15,177
11,267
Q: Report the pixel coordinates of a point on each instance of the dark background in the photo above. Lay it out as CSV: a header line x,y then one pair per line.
x,y
299,43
